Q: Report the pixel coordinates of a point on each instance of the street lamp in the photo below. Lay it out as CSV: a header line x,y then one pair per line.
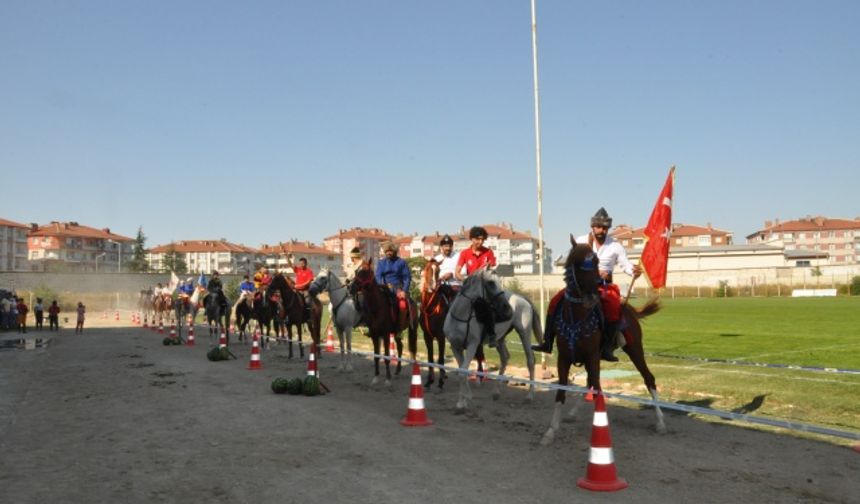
x,y
118,254
97,260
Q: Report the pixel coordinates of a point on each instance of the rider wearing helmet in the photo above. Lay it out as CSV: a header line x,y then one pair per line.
x,y
609,253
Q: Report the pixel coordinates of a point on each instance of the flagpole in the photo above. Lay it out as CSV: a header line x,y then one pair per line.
x,y
541,248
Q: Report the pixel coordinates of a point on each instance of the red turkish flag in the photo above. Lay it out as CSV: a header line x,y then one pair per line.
x,y
655,256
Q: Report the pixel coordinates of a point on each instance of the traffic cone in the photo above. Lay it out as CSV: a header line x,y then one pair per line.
x,y
222,343
116,316
255,363
416,415
312,361
145,322
160,327
601,475
190,340
329,341
589,396
392,349
172,332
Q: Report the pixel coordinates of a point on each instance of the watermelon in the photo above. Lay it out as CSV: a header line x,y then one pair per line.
x,y
311,386
279,385
166,341
225,354
214,354
294,386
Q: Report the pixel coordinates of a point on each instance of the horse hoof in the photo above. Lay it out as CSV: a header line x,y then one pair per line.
x,y
548,438
661,429
530,397
459,409
388,384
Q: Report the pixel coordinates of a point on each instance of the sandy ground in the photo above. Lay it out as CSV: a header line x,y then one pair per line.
x,y
114,416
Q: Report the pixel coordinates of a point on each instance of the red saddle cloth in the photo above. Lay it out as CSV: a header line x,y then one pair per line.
x,y
610,300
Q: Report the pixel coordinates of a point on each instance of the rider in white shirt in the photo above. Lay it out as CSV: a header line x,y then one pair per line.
x,y
448,263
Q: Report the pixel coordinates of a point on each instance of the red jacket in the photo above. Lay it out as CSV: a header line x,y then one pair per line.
x,y
475,259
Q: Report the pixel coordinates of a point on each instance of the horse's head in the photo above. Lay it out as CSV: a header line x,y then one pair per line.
x,y
320,283
474,286
580,269
430,276
364,279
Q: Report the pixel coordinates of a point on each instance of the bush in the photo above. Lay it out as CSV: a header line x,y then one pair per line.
x,y
723,289
855,286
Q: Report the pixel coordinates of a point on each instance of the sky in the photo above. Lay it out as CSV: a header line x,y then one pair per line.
x,y
264,121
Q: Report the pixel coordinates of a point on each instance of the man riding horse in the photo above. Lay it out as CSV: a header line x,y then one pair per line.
x,y
447,261
216,289
609,254
303,278
393,273
262,280
474,258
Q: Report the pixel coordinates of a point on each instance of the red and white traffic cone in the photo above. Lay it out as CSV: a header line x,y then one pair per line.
x,y
255,363
116,316
145,322
161,327
312,361
190,340
589,396
601,475
329,341
392,349
172,332
222,343
416,415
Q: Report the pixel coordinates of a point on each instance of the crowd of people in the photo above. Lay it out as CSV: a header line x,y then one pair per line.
x,y
14,313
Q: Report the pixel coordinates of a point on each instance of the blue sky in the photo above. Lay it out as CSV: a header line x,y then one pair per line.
x,y
265,121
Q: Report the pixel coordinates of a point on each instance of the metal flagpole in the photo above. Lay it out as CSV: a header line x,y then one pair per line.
x,y
541,248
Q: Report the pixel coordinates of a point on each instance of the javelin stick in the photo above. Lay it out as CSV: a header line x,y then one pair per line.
x,y
630,287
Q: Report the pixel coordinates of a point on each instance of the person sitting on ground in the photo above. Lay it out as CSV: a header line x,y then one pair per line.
x,y
609,254
54,316
393,273
472,259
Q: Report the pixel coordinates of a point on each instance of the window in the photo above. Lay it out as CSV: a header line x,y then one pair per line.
x,y
704,240
801,264
718,239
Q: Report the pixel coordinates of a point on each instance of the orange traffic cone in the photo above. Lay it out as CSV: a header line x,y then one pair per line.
x,y
312,361
589,396
190,340
329,341
222,343
116,317
255,354
601,475
416,415
392,349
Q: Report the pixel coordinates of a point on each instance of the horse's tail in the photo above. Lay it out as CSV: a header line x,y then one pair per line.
x,y
537,330
650,308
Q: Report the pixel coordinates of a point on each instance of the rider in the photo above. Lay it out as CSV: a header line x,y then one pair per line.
x,y
216,288
609,254
472,259
447,260
247,288
262,279
304,277
187,288
392,272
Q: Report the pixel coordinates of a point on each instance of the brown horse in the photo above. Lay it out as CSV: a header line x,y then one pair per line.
x,y
162,305
575,321
382,320
292,310
435,300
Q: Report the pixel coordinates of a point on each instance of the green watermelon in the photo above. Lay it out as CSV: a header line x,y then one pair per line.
x,y
165,341
279,385
294,386
311,386
225,354
176,341
214,354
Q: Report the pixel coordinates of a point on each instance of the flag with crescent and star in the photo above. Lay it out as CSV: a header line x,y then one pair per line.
x,y
655,256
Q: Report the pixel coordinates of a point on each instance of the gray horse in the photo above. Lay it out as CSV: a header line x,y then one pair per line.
x,y
464,331
344,315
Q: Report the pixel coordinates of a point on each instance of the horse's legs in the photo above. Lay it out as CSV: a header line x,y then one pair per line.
x,y
563,369
504,357
376,349
428,342
463,361
637,355
442,374
399,342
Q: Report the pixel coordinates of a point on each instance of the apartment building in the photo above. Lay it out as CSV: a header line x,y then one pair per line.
x,y
69,246
683,235
368,240
839,238
206,256
13,246
318,257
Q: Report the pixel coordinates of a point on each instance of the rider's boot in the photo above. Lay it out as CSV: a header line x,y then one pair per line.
x,y
546,345
607,342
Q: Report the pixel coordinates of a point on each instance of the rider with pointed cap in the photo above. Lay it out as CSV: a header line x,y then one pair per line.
x,y
610,254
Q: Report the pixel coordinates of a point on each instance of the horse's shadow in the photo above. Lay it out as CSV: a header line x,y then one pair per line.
x,y
751,406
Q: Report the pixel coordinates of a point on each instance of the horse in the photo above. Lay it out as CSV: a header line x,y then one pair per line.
x,y
162,307
184,308
217,316
295,312
575,320
435,302
464,331
144,303
344,314
243,313
379,313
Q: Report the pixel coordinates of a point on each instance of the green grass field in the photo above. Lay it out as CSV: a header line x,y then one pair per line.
x,y
816,332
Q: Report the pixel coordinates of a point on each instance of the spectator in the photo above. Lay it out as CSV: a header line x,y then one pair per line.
x,y
5,312
54,316
82,310
22,315
39,311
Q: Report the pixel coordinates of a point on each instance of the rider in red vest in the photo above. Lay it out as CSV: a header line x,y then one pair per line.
x,y
475,257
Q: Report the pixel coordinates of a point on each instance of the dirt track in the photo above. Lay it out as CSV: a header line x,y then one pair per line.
x,y
114,416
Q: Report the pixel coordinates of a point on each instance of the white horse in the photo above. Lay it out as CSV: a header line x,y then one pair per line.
x,y
344,314
464,331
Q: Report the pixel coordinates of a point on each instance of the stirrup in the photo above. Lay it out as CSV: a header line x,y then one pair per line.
x,y
545,347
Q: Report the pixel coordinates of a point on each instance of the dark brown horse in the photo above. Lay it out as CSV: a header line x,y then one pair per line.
x,y
434,307
292,311
575,321
382,319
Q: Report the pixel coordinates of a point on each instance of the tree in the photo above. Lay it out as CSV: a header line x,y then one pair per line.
x,y
416,266
138,259
174,261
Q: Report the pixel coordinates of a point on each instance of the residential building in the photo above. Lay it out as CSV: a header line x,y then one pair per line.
x,y
683,235
318,257
69,246
839,238
13,246
206,256
516,251
368,240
